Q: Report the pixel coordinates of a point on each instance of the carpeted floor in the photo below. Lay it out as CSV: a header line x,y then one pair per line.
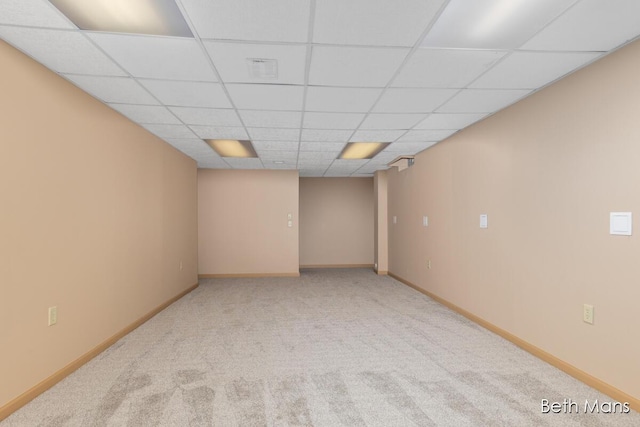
x,y
333,347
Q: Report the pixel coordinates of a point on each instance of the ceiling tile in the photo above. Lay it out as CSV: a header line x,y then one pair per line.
x,y
231,61
353,66
530,70
445,68
492,24
368,22
242,163
316,155
426,135
314,161
408,147
376,135
338,173
123,90
276,166
312,170
370,168
482,100
261,146
207,116
188,94
61,51
335,147
276,119
346,164
384,157
219,132
449,121
591,25
171,58
194,148
274,134
170,131
213,164
146,113
274,20
333,99
198,150
320,135
402,100
278,155
391,121
32,13
266,97
348,121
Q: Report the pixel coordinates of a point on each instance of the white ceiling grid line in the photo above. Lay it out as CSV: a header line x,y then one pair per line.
x,y
307,70
357,70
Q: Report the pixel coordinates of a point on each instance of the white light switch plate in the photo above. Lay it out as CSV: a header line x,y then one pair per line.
x,y
620,223
484,221
425,221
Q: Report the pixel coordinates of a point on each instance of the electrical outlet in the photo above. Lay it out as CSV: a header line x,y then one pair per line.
x,y
587,314
53,315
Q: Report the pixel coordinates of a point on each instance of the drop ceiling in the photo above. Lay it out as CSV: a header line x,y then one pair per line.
x,y
410,72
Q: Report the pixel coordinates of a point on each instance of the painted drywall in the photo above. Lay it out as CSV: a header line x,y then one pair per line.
x,y
381,240
96,215
242,222
547,171
336,221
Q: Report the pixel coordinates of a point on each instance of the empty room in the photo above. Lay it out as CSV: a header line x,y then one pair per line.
x,y
319,213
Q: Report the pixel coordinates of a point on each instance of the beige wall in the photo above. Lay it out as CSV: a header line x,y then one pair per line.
x,y
95,216
547,171
336,221
242,222
381,243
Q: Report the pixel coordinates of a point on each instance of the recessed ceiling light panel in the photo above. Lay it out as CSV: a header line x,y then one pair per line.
x,y
156,17
362,150
492,24
232,148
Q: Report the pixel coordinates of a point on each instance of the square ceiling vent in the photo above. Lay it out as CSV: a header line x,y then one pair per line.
x,y
262,68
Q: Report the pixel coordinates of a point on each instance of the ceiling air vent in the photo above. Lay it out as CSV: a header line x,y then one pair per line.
x,y
263,69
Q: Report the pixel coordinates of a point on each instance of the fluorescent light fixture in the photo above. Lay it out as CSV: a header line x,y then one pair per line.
x,y
232,148
157,17
362,150
492,24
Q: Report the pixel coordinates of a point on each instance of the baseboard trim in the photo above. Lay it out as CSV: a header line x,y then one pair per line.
x,y
382,272
567,368
337,266
247,275
58,376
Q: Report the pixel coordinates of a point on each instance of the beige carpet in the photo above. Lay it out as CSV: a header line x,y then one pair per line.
x,y
331,348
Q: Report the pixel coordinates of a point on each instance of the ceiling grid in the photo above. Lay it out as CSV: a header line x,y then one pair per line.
x,y
347,71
